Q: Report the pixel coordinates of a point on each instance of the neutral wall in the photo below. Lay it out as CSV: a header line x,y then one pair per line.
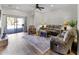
x,y
0,7
0,19
30,19
56,16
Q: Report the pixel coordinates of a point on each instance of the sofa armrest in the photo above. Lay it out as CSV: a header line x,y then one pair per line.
x,y
57,43
57,40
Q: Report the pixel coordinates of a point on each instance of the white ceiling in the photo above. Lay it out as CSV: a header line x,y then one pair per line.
x,y
31,7
21,7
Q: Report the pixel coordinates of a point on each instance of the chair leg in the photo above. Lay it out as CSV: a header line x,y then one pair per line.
x,y
69,51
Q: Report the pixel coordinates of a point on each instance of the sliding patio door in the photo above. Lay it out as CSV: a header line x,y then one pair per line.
x,y
14,24
19,24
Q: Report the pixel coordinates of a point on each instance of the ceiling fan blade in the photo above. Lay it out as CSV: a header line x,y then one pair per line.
x,y
42,7
38,7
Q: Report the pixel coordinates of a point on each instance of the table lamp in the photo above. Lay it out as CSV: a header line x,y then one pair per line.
x,y
65,24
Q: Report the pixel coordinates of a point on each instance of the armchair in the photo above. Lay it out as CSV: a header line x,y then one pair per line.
x,y
61,46
32,29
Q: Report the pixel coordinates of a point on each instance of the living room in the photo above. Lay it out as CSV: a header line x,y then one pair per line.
x,y
42,29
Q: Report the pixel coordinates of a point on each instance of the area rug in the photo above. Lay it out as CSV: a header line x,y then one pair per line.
x,y
40,43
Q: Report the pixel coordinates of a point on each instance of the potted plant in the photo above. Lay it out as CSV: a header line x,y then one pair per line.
x,y
73,23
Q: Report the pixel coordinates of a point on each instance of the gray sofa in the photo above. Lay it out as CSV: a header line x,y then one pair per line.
x,y
51,30
63,47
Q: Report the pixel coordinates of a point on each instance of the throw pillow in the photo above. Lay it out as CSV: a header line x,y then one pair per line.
x,y
65,36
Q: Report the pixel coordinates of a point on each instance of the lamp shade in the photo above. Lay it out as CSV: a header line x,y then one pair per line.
x,y
65,22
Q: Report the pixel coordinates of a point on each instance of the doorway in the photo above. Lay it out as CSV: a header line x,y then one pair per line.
x,y
15,24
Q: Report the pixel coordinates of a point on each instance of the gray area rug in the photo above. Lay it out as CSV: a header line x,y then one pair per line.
x,y
40,43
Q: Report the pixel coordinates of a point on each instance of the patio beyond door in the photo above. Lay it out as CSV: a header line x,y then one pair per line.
x,y
14,25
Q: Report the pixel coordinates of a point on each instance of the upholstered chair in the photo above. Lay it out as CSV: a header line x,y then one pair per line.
x,y
32,29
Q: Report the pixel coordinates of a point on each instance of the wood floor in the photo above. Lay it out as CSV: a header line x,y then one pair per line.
x,y
18,46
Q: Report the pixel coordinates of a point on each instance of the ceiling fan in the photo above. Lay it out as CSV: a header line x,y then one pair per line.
x,y
38,7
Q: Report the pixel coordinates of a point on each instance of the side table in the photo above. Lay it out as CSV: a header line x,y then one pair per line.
x,y
3,42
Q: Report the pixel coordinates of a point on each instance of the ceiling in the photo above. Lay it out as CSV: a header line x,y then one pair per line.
x,y
31,7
